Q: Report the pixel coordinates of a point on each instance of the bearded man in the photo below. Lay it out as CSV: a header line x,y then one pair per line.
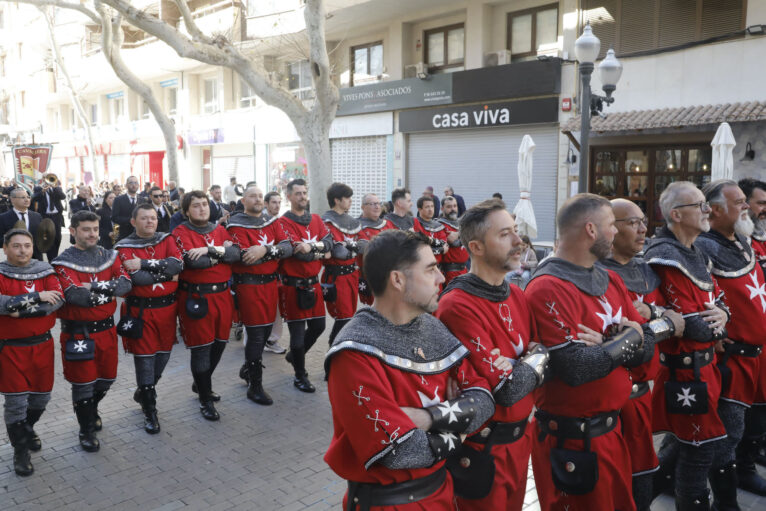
x,y
453,263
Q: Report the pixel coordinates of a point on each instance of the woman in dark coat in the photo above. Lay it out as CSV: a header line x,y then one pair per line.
x,y
105,224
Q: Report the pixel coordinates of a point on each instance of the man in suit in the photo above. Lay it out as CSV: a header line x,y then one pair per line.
x,y
48,204
219,212
162,209
83,202
122,209
173,191
20,211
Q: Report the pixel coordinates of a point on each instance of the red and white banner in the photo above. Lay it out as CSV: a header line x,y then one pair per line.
x,y
31,163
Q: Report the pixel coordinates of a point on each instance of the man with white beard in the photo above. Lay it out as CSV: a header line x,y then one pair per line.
x,y
738,354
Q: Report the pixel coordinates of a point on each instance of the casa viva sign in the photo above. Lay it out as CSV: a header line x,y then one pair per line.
x,y
481,115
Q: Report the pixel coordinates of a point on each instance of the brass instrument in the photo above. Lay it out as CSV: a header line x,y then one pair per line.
x,y
115,232
51,179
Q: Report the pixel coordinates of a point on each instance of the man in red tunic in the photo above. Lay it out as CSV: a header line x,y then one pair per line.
x,y
401,216
340,280
433,229
205,306
263,243
153,261
492,320
372,225
688,384
403,394
741,279
643,289
30,294
752,448
579,455
91,277
453,263
300,297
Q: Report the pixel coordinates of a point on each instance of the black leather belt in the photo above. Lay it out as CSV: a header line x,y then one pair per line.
x,y
366,495
151,302
287,280
498,433
203,289
71,326
337,270
26,341
445,267
691,360
742,349
254,278
579,428
639,389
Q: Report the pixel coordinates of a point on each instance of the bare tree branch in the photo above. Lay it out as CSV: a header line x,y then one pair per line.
x,y
191,25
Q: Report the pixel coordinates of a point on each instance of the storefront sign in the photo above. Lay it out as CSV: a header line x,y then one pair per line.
x,y
396,95
205,137
115,95
380,123
31,163
172,82
481,115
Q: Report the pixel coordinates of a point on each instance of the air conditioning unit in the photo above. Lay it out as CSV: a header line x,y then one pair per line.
x,y
419,70
497,58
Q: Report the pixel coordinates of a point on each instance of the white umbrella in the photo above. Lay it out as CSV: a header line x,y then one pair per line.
x,y
723,146
525,215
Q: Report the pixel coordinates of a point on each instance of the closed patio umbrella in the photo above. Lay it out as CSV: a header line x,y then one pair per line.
x,y
525,215
723,147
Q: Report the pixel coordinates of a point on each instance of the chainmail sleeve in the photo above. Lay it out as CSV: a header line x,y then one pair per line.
x,y
414,452
521,382
577,364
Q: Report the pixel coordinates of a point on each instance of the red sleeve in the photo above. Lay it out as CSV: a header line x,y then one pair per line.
x,y
51,283
67,277
362,399
631,311
678,292
555,312
237,236
288,234
171,248
118,270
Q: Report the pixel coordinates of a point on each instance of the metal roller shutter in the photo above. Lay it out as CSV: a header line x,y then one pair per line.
x,y
361,163
478,163
224,167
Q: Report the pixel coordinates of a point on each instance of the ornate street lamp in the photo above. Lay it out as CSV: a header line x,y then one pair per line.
x,y
587,48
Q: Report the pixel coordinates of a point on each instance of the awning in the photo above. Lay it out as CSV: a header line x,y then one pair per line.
x,y
673,117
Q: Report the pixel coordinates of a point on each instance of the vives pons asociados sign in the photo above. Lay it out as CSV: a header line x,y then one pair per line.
x,y
480,115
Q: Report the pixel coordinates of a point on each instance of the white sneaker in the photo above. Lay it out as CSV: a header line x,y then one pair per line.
x,y
274,347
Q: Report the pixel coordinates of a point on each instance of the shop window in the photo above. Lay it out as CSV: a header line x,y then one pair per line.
x,y
640,174
171,99
117,110
366,63
246,94
299,80
445,48
286,162
93,115
211,96
630,27
532,30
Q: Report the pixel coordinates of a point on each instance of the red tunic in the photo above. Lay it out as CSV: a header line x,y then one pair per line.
x,y
27,368
159,330
759,399
438,232
482,325
293,267
216,325
104,364
258,302
366,396
367,233
558,307
346,286
455,255
685,297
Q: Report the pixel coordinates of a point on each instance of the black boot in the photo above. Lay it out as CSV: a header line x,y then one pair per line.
x,y
17,433
255,390
137,395
85,409
663,480
206,406
149,407
243,372
760,455
215,397
701,503
749,479
33,441
723,482
301,380
97,397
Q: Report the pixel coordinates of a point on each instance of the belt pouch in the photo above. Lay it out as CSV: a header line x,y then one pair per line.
x,y
79,350
473,472
574,472
686,397
132,326
196,306
305,297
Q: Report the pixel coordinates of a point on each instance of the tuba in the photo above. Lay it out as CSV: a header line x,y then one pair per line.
x,y
115,234
50,179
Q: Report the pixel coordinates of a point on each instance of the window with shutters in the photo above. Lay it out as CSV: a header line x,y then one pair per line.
x,y
532,30
630,26
445,48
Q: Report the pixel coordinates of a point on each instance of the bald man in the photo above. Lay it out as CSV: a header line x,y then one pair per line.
x,y
688,385
643,289
579,455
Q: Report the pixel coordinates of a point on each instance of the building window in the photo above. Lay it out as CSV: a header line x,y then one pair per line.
x,y
4,106
145,112
246,94
445,48
532,30
93,115
299,80
211,96
366,63
640,174
116,108
631,27
171,100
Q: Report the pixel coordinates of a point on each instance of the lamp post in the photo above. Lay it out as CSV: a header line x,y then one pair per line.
x,y
587,48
